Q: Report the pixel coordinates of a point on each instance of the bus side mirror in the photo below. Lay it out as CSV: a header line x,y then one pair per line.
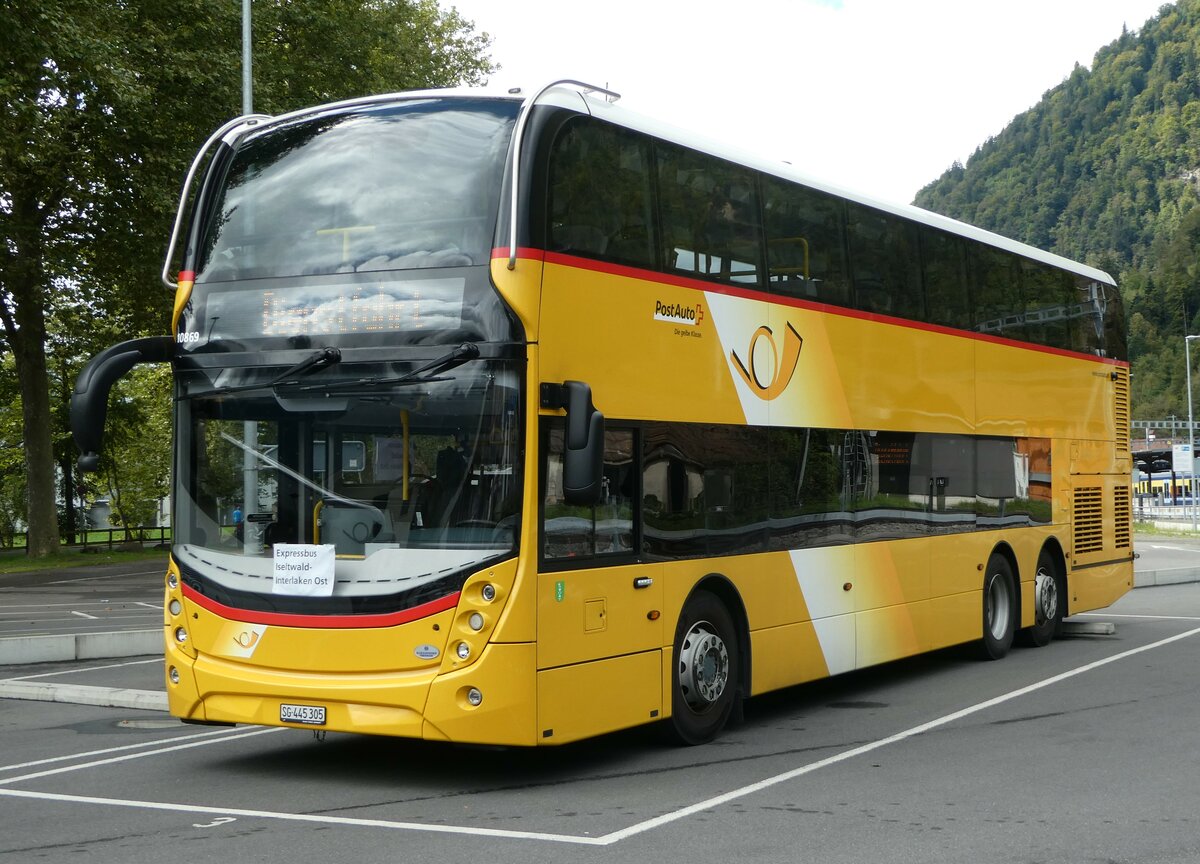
x,y
89,402
583,461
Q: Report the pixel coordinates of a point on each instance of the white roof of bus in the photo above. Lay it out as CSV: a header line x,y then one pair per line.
x,y
571,97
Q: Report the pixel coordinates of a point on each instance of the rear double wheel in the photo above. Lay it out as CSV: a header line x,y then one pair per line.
x,y
1049,602
704,683
999,607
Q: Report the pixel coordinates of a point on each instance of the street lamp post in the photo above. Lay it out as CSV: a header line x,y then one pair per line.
x,y
1187,351
247,78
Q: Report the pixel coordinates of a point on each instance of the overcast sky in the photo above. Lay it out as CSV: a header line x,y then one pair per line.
x,y
876,95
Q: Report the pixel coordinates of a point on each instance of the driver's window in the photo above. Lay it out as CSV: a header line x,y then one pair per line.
x,y
606,528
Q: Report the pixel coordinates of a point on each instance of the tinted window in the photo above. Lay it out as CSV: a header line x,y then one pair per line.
x,y
945,276
806,244
1097,319
704,489
709,217
603,529
807,507
600,202
1014,481
996,288
1048,301
885,263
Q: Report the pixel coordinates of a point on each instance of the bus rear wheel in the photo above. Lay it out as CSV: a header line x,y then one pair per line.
x,y
704,683
999,608
1049,602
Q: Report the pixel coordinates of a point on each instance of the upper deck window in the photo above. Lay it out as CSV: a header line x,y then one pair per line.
x,y
410,185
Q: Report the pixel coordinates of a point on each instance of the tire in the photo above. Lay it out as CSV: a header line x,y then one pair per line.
x,y
1049,602
999,608
706,663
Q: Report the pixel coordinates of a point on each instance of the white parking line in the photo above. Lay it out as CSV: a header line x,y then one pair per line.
x,y
82,669
1142,617
20,766
603,840
308,817
249,733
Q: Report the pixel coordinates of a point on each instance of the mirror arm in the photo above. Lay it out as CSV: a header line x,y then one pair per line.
x,y
89,401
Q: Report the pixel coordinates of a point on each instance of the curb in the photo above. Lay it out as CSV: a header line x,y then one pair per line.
x,y
24,650
1170,576
80,694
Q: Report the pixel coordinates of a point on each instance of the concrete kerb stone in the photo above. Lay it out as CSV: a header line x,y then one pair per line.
x,y
25,650
1169,576
82,694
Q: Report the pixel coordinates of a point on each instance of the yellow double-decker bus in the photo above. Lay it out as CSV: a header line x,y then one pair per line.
x,y
519,419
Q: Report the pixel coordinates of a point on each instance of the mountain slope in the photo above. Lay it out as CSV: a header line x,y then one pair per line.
x,y
1106,169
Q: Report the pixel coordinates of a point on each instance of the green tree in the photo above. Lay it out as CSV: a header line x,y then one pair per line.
x,y
105,102
12,455
137,470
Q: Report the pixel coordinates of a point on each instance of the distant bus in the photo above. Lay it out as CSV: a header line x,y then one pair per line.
x,y
544,420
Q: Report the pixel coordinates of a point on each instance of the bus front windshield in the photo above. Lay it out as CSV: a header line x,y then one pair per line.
x,y
413,477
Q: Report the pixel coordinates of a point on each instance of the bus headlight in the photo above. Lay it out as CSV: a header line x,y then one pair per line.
x,y
173,674
475,621
180,635
474,697
175,606
488,592
463,650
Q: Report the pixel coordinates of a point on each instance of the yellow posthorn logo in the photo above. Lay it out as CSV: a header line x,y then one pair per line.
x,y
783,366
247,638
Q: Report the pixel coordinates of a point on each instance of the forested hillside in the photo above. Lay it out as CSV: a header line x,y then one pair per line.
x,y
1106,170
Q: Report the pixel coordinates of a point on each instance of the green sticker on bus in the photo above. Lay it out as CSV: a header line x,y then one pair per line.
x,y
560,590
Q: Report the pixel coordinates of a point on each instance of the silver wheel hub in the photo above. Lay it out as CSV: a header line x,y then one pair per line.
x,y
1045,596
703,666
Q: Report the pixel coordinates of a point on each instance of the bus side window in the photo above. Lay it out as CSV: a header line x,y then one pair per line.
x,y
709,217
605,528
944,272
806,244
600,203
884,258
996,291
1048,301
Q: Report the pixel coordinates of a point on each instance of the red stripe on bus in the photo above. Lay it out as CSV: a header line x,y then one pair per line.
x,y
752,294
187,276
343,622
522,252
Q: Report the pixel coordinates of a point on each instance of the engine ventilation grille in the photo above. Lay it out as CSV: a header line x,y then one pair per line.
x,y
1087,520
1123,516
1121,410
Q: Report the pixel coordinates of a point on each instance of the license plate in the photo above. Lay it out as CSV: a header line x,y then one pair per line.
x,y
309,715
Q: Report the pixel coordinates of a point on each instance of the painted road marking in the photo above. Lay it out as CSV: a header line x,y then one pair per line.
x,y
82,669
21,766
582,840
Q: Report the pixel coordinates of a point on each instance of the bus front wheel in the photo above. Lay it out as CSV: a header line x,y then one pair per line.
x,y
704,683
999,608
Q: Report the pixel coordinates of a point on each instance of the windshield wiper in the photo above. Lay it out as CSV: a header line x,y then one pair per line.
x,y
464,353
327,356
